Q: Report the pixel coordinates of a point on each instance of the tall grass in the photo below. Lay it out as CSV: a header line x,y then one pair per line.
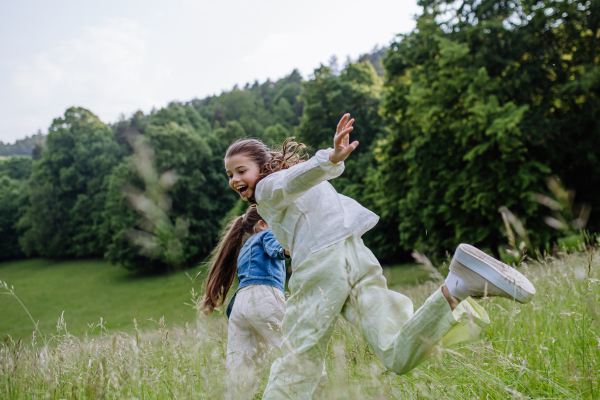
x,y
547,349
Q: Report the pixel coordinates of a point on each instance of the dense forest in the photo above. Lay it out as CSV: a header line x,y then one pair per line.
x,y
474,110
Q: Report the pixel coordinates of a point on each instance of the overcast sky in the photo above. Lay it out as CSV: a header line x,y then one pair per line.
x,y
115,57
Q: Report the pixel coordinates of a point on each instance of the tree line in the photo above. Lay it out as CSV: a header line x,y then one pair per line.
x,y
24,147
474,110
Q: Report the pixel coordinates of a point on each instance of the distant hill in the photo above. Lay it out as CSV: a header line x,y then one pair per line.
x,y
22,147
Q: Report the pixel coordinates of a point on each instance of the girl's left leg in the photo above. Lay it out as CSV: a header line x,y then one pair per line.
x,y
265,309
254,328
400,337
242,347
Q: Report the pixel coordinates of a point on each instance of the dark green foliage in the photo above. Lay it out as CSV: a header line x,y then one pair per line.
x,y
36,153
190,139
22,147
12,197
128,127
201,195
67,188
16,167
560,71
183,116
480,110
327,97
255,107
232,131
276,134
14,172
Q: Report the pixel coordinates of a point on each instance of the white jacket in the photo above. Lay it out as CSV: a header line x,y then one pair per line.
x,y
303,210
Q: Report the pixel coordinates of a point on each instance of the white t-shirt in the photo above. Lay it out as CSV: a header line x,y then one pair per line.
x,y
303,210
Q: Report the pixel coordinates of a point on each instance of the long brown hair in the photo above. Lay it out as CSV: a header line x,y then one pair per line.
x,y
223,263
269,160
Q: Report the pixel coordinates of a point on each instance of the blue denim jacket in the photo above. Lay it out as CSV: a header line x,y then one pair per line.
x,y
261,262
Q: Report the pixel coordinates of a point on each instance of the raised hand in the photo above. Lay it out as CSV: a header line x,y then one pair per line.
x,y
341,141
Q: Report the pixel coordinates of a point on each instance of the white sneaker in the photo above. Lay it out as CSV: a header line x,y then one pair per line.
x,y
475,273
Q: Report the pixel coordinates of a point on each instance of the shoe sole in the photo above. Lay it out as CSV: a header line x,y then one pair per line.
x,y
505,277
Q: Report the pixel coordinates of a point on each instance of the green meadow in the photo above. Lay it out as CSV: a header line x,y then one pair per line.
x,y
88,290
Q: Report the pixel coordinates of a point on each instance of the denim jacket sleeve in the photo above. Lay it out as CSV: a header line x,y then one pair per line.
x,y
280,189
272,247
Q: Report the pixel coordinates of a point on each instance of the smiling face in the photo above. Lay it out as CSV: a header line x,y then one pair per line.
x,y
243,175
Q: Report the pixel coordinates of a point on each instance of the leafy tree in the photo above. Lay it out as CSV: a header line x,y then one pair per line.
x,y
233,130
201,196
66,189
130,127
275,135
327,97
16,167
36,153
558,75
14,172
255,107
182,115
284,113
478,115
11,198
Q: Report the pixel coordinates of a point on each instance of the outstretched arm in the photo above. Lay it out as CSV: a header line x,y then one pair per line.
x,y
281,188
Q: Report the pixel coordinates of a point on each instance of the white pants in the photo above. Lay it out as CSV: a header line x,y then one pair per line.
x,y
254,328
346,279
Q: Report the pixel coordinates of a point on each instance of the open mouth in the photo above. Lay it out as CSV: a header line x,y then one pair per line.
x,y
242,190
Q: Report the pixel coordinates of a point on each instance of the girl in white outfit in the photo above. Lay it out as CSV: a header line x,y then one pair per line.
x,y
334,273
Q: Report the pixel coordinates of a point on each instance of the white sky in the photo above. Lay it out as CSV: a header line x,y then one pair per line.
x,y
115,57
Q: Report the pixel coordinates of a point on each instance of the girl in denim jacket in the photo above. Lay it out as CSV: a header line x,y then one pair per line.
x,y
257,308
335,274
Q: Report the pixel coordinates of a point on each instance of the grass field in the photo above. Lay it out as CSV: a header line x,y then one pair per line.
x,y
547,349
89,290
